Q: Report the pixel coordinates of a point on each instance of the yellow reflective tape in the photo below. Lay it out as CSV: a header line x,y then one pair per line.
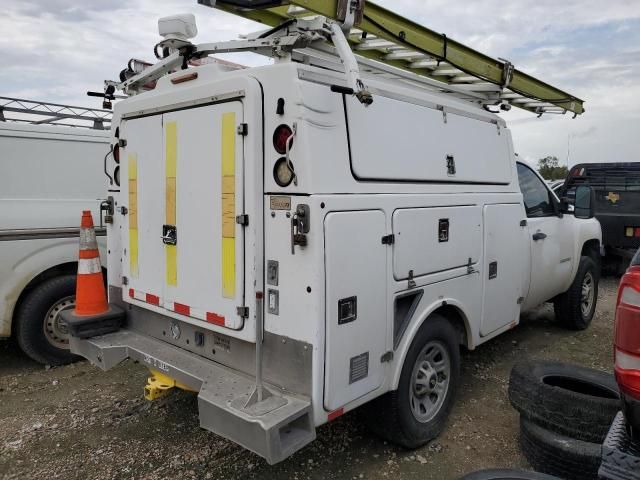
x,y
229,267
228,194
172,264
171,154
133,214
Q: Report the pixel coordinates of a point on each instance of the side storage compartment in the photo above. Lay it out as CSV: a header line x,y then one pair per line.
x,y
356,308
436,239
506,266
426,145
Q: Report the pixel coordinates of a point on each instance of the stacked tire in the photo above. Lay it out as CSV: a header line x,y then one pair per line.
x,y
565,414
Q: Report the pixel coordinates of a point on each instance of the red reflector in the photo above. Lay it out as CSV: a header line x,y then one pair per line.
x,y
181,309
215,319
637,231
335,414
131,293
152,299
184,78
116,153
280,137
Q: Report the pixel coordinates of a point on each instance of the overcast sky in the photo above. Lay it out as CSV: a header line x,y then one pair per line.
x,y
56,50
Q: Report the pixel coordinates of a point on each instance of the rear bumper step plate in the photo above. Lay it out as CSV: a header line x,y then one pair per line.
x,y
273,433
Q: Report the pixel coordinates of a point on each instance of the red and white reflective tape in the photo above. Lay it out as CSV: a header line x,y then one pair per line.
x,y
88,266
180,308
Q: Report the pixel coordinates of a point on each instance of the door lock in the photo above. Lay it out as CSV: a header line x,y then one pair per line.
x,y
169,235
300,226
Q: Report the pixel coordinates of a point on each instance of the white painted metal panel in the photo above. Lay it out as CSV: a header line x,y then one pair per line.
x,y
396,140
141,168
420,247
201,138
356,266
506,256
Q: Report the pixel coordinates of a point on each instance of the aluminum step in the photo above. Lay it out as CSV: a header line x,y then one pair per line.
x,y
274,428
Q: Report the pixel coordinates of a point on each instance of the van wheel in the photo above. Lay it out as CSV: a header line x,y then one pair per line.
x,y
417,411
575,307
39,329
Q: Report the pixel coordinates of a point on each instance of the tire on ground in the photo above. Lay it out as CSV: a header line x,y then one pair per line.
x,y
567,306
507,474
555,454
31,315
390,416
571,400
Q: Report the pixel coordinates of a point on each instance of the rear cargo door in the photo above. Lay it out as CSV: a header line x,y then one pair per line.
x,y
191,259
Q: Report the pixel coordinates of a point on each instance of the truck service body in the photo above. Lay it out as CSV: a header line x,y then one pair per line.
x,y
397,215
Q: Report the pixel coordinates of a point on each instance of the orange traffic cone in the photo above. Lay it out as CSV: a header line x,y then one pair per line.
x,y
91,297
93,315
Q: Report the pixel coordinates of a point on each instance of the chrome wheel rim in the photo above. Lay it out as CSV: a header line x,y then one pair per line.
x,y
588,294
55,329
429,381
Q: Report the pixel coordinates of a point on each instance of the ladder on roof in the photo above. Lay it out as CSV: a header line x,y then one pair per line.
x,y
387,42
44,113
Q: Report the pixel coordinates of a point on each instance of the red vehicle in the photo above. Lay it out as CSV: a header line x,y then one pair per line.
x,y
627,344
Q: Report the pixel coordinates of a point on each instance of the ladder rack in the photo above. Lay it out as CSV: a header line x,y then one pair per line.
x,y
44,113
392,43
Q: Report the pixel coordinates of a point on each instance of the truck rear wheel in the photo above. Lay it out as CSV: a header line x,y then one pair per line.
x,y
39,329
575,307
417,411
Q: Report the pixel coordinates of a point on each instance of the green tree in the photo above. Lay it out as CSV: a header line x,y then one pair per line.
x,y
550,169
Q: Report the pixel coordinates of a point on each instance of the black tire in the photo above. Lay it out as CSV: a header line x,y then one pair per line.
x,y
507,474
390,416
570,400
31,316
568,306
555,454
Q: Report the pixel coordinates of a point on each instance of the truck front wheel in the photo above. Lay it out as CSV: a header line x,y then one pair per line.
x,y
39,330
575,307
417,411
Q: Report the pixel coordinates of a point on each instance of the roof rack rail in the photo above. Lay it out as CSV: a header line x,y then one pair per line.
x,y
45,113
392,43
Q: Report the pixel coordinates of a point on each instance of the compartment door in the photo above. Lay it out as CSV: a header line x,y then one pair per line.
x,y
203,192
506,265
356,305
141,173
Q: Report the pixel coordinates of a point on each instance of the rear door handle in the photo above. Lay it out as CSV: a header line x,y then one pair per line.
x,y
539,236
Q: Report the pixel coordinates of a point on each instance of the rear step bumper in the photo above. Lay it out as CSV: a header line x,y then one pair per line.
x,y
273,430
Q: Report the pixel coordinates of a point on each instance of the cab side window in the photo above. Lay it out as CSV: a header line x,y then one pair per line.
x,y
537,198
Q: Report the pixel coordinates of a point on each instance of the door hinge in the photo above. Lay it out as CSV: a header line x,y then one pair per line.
x,y
389,239
520,300
122,143
243,220
387,357
243,129
243,312
523,223
125,280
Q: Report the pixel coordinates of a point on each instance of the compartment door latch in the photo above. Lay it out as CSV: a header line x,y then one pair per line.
x,y
169,235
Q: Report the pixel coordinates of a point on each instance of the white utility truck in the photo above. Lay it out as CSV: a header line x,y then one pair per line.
x,y
295,240
51,167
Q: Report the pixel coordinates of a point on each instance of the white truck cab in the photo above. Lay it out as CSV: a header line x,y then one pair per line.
x,y
293,245
50,172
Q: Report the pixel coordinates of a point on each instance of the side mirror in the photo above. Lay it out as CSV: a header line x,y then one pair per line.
x,y
584,202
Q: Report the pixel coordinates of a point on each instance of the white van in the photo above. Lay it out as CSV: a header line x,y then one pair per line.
x,y
293,242
48,175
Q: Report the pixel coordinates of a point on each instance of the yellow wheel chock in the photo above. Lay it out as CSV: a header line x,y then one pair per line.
x,y
159,385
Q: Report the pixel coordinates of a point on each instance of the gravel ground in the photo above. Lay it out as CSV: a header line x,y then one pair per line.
x,y
76,422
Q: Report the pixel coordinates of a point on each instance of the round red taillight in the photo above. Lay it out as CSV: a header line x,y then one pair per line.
x,y
280,137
